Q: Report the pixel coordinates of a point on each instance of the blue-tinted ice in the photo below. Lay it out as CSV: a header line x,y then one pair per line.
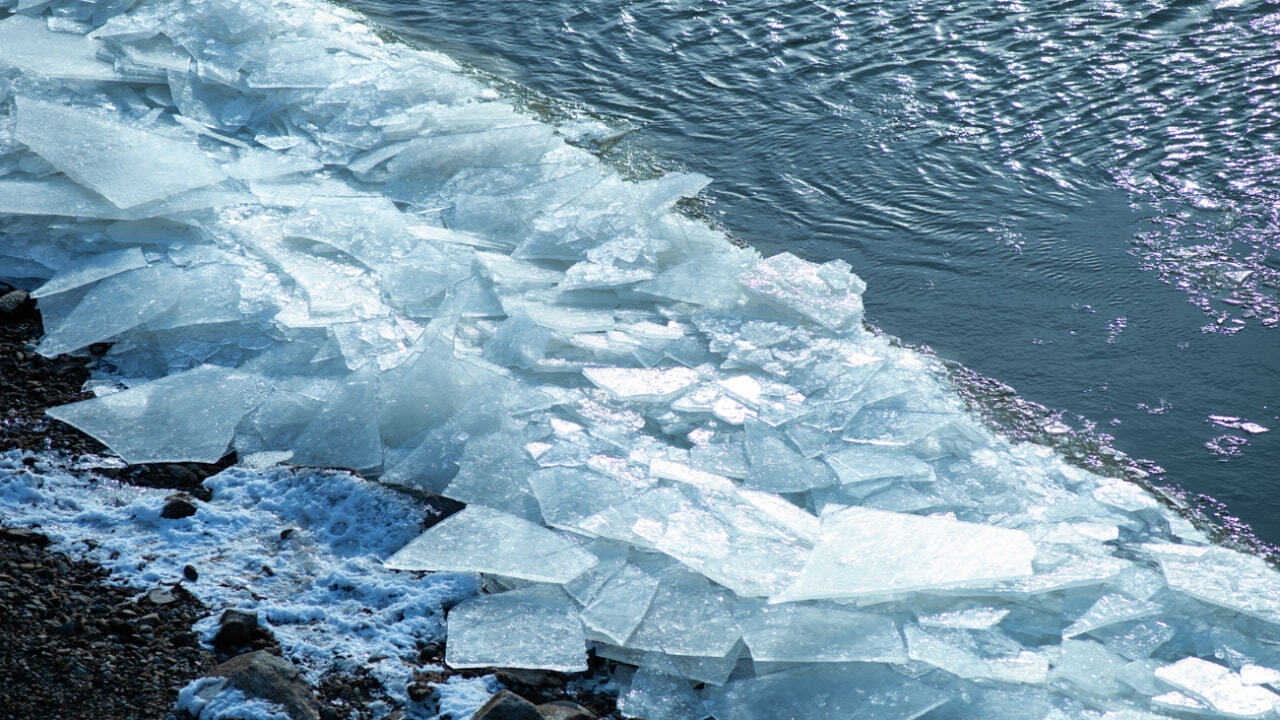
x,y
305,242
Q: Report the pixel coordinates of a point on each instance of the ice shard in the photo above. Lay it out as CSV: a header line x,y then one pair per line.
x,y
478,539
534,628
127,165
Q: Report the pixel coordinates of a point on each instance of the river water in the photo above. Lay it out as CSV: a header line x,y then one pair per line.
x,y
1077,199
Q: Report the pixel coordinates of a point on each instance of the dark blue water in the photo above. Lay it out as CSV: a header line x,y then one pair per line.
x,y
1079,199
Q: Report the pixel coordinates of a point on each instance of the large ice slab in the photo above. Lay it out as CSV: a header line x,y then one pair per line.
x,y
183,417
533,628
873,552
1219,576
478,539
28,43
1219,688
821,692
126,165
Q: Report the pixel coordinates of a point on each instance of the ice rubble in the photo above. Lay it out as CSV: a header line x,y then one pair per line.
x,y
304,242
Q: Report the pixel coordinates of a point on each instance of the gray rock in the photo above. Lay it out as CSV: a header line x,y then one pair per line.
x,y
160,596
507,705
271,678
178,506
11,301
565,710
235,629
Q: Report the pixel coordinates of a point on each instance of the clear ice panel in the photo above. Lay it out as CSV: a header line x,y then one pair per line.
x,y
621,604
91,269
534,628
818,632
827,294
29,44
484,540
126,165
116,304
864,552
186,417
660,692
1234,580
1219,688
826,691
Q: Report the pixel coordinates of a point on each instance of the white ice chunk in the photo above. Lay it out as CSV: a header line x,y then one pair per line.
x,y
645,384
828,294
187,417
91,269
480,539
1219,688
127,165
818,632
869,552
534,628
29,44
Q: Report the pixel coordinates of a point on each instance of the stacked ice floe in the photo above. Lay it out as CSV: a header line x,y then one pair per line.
x,y
307,244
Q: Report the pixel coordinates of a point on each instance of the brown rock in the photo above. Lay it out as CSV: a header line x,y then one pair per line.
x,y
266,676
507,705
565,710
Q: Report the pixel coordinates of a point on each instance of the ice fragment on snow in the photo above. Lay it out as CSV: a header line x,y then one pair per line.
x,y
480,539
1220,688
126,165
645,384
535,628
868,552
185,417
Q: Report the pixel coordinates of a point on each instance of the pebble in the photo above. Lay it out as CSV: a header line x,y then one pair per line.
x,y
178,506
506,705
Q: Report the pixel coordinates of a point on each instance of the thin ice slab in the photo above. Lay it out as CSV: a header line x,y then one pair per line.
x,y
535,628
126,165
823,692
820,632
484,540
653,384
188,417
29,44
863,552
1219,688
1222,577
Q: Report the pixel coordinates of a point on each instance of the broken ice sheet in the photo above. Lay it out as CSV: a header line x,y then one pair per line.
x,y
827,294
1219,688
621,604
817,632
534,628
1230,579
483,540
116,304
644,384
29,44
91,268
660,692
1109,610
126,165
864,552
688,616
825,691
187,417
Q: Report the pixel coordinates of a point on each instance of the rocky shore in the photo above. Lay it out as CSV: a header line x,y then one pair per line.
x,y
76,643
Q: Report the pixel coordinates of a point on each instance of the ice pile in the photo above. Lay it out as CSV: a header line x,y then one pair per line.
x,y
308,244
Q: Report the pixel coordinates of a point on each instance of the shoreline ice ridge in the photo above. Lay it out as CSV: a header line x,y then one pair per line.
x,y
309,245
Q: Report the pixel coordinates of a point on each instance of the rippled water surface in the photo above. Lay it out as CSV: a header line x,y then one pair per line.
x,y
1080,199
